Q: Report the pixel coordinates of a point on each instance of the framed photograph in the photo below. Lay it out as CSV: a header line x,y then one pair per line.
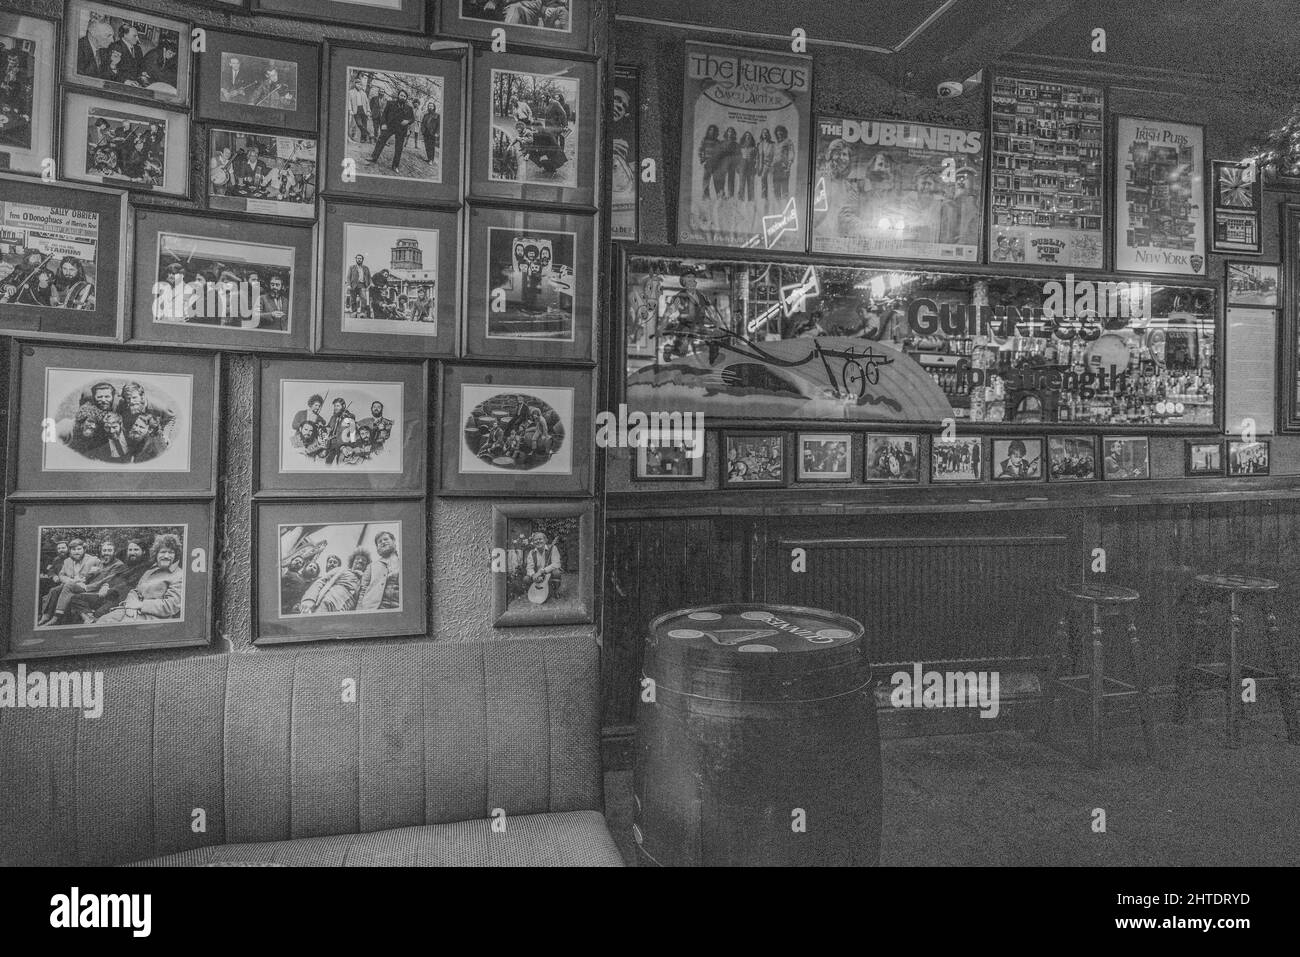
x,y
1159,196
1126,457
126,145
125,51
391,285
260,173
669,463
516,432
112,576
340,570
1203,458
533,129
111,423
62,256
407,16
28,48
563,24
393,120
1071,458
531,285
1017,460
893,458
753,460
266,81
825,457
221,283
1254,284
624,131
542,556
342,426
956,460
1247,458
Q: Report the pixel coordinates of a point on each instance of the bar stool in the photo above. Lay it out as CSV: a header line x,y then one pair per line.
x,y
1234,589
1098,601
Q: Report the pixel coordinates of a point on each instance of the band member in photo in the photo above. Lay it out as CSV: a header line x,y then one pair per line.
x,y
431,130
1016,465
133,53
79,566
160,591
312,413
782,163
273,306
50,573
160,63
359,281
543,565
92,49
76,601
384,563
381,429
235,80
292,585
16,97
310,439
395,121
689,317
127,428
337,589
359,111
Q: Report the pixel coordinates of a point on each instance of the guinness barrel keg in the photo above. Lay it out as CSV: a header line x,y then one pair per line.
x,y
756,740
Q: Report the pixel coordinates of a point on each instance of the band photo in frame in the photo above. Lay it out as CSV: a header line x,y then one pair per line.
x,y
264,81
126,51
563,24
28,52
123,144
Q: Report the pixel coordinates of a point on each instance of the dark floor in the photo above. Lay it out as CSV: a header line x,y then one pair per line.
x,y
1003,798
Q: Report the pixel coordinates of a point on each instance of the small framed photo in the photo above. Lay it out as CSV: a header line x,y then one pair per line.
x,y
825,457
125,144
62,256
342,426
393,119
531,285
548,553
405,15
1018,460
683,462
1247,458
221,283
113,576
1127,457
111,423
1254,284
753,460
550,23
1204,458
956,460
1071,458
533,129
516,432
128,52
260,173
28,52
265,81
893,458
391,281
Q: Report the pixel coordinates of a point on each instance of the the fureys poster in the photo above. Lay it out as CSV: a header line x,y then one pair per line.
x,y
745,138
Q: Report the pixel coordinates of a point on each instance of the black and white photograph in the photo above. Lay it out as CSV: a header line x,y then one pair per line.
x,y
341,569
956,460
893,458
1071,458
126,145
27,90
263,83
405,15
680,462
1204,458
127,52
825,457
517,431
542,554
624,131
534,129
1017,460
753,460
1247,458
540,23
391,285
1125,457
1254,284
346,426
260,173
261,80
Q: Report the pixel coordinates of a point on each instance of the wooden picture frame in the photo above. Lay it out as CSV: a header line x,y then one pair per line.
x,y
948,461
904,449
229,96
1130,462
806,463
563,597
663,463
25,146
88,58
1243,458
1289,361
1236,207
404,16
1132,212
1203,458
87,116
1029,466
1072,458
747,460
624,131
232,184
1253,284
468,19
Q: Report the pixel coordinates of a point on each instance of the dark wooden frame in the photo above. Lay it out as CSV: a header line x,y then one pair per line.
x,y
1146,443
45,84
410,18
208,105
1228,302
311,209
980,479
900,436
452,23
1190,471
1256,210
1044,461
1227,457
178,162
502,616
724,482
1096,462
184,56
642,451
824,479
1289,298
621,78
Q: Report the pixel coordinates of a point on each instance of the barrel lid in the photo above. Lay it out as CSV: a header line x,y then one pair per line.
x,y
754,630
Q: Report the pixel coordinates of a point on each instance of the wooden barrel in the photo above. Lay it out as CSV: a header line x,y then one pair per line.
x,y
756,740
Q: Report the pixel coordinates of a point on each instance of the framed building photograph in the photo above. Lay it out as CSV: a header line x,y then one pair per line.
x,y
1254,284
531,285
393,122
893,458
1203,458
222,283
1071,458
1247,458
112,576
624,131
1017,460
1159,196
63,251
407,16
28,53
668,463
753,460
262,80
824,457
126,51
533,129
261,174
562,24
125,145
516,431
391,283
542,556
112,423
956,460
340,570
1126,457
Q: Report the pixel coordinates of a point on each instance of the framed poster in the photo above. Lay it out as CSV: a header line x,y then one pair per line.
x,y
95,577
125,144
533,129
897,190
261,173
352,427
1126,457
1203,458
562,24
111,423
1018,460
745,145
267,81
516,432
824,457
404,15
125,51
1159,196
1247,458
624,131
668,463
531,285
1047,176
391,283
339,570
956,460
62,256
753,460
222,283
1071,458
1237,203
28,48
1254,284
1250,370
393,120
893,458
549,551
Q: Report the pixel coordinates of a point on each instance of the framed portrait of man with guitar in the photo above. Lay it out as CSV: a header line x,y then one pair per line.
x,y
540,562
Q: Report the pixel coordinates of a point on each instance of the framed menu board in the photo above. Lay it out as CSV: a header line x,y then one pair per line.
x,y
1250,367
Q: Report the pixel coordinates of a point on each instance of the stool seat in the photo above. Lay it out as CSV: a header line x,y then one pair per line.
x,y
1236,583
1098,594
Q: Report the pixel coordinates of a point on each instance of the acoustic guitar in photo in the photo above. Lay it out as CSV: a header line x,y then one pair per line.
x,y
540,591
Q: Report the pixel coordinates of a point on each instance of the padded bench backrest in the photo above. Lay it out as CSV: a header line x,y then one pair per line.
x,y
264,747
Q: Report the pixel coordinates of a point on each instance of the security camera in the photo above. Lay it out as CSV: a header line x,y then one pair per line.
x,y
950,88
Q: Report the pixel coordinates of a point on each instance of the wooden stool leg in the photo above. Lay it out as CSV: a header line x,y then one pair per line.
x,y
1060,638
1098,688
1275,651
1144,694
1196,640
1233,698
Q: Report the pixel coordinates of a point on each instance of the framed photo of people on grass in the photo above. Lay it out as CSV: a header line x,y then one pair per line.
x,y
340,570
393,124
127,52
94,577
531,285
405,15
112,423
542,556
28,52
333,426
266,81
125,145
563,24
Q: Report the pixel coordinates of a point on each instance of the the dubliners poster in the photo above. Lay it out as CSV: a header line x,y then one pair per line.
x,y
745,147
898,190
